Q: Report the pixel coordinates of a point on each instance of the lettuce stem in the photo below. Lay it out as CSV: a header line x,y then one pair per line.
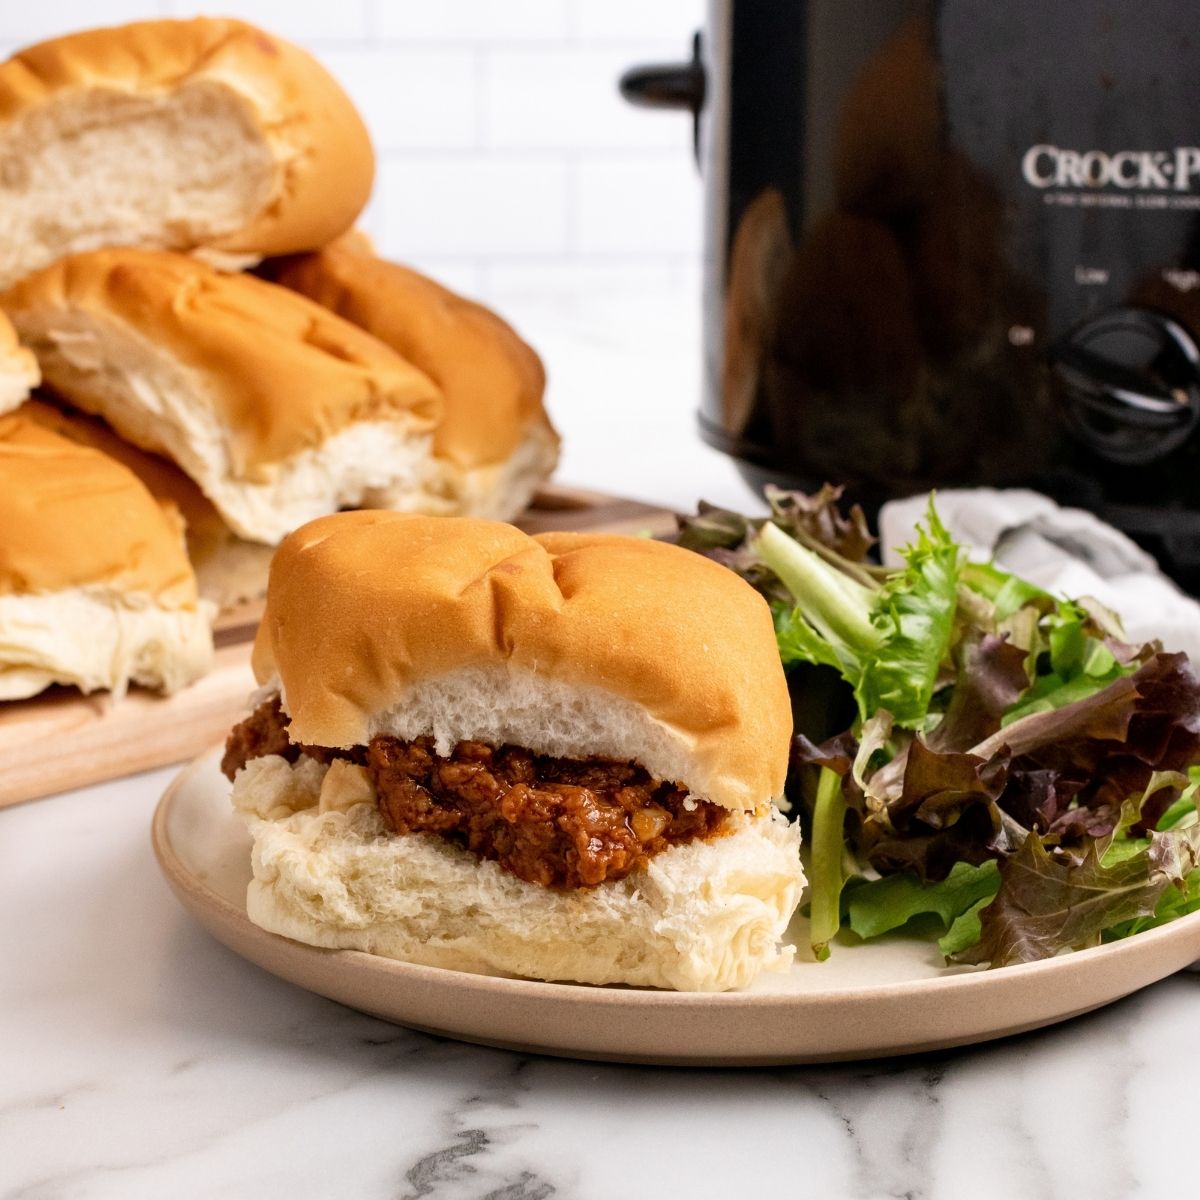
x,y
837,606
825,884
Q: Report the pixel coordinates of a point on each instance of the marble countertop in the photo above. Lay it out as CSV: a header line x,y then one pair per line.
x,y
139,1058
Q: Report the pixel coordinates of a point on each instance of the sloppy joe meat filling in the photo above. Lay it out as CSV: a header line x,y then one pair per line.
x,y
562,823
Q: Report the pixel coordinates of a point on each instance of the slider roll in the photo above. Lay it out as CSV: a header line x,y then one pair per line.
x,y
494,443
229,569
95,586
279,410
206,136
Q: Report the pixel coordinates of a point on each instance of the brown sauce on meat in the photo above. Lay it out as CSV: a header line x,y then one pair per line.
x,y
264,732
563,823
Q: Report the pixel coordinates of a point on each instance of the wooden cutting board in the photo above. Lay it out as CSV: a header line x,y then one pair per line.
x,y
62,739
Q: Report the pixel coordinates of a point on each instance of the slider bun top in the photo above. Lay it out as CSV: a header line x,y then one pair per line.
x,y
164,481
228,569
570,644
492,381
72,518
205,133
280,373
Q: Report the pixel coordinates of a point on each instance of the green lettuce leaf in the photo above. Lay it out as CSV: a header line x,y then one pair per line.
x,y
826,871
1076,660
914,614
1183,898
966,930
890,903
798,641
889,641
1007,593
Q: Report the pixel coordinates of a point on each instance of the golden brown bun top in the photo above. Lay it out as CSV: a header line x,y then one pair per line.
x,y
491,380
285,374
363,605
161,477
324,162
71,516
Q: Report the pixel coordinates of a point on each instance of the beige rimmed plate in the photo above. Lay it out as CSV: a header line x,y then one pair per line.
x,y
882,998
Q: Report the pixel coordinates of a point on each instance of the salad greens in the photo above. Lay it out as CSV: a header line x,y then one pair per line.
x,y
993,765
888,638
892,901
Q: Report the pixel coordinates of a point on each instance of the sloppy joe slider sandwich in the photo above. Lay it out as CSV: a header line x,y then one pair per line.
x,y
95,586
494,443
552,757
279,410
203,135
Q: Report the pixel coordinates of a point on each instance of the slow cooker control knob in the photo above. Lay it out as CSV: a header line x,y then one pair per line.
x,y
1129,384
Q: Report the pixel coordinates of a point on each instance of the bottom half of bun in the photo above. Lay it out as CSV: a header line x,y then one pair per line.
x,y
229,570
704,916
498,491
98,637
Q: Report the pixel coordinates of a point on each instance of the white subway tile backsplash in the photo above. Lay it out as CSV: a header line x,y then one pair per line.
x,y
463,275
299,20
597,20
687,275
370,220
508,164
569,100
567,278
410,99
24,23
441,205
646,204
474,20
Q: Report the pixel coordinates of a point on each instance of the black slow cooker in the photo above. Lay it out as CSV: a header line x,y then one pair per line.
x,y
955,243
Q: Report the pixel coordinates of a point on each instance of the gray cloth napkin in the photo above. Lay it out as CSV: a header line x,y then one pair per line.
x,y
1065,550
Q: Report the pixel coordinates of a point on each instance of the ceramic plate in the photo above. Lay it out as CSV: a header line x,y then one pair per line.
x,y
887,997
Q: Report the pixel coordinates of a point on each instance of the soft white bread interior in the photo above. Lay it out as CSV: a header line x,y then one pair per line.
x,y
18,368
504,704
278,409
95,586
497,491
205,134
229,569
494,443
705,916
568,644
97,637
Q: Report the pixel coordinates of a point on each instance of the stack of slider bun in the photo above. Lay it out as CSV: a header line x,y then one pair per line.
x,y
221,357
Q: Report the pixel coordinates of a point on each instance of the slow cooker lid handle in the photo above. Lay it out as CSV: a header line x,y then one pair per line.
x,y
669,85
